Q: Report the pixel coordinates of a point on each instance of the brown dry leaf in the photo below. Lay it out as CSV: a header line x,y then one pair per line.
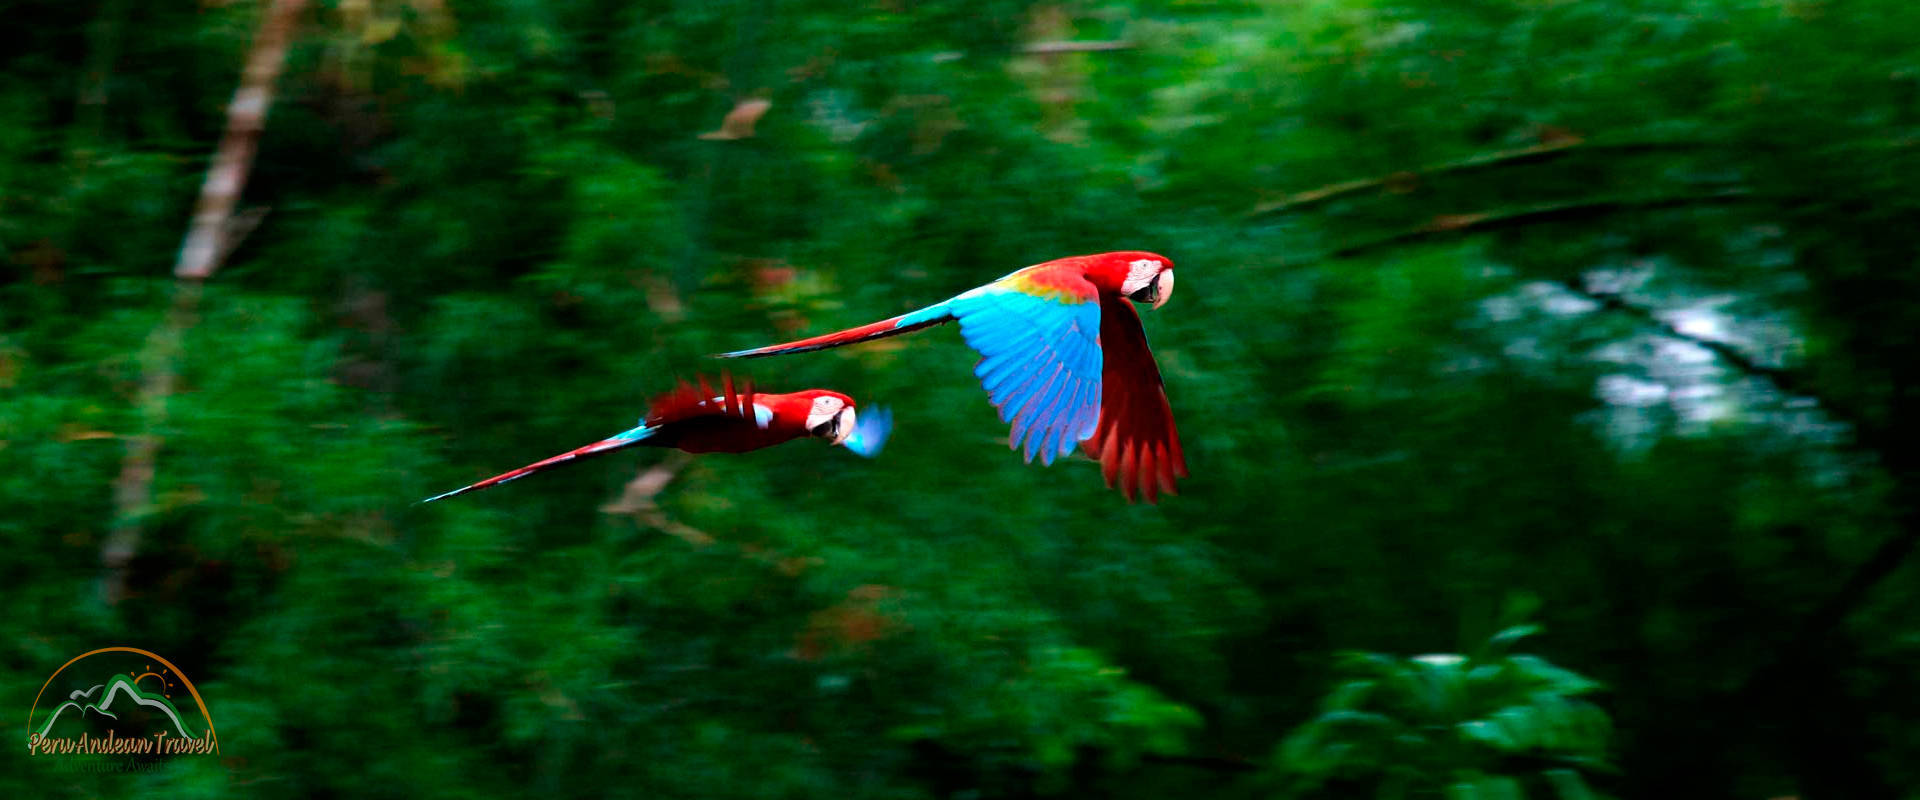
x,y
638,495
380,31
739,122
1454,222
794,565
850,624
661,298
1558,136
770,275
552,697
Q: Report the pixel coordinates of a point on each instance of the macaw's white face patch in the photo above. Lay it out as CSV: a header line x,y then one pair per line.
x,y
831,419
1141,273
1150,281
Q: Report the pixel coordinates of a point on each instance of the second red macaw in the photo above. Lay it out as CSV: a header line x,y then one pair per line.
x,y
1064,359
732,419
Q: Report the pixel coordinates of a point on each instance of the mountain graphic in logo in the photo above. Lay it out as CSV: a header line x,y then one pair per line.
x,y
118,706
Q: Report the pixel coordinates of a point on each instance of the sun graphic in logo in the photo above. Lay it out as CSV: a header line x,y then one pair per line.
x,y
166,687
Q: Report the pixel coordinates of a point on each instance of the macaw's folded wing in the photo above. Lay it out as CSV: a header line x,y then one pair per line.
x,y
1136,442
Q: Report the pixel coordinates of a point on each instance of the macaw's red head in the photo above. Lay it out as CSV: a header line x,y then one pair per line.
x,y
830,415
1138,275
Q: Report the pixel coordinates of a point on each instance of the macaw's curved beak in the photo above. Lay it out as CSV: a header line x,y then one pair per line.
x,y
1157,291
834,428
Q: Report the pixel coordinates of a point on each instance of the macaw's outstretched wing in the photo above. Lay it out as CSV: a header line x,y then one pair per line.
x,y
1037,333
931,315
607,445
1136,443
688,401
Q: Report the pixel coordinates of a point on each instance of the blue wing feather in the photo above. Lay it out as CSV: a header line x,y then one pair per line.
x,y
999,336
1046,415
998,373
1058,434
1039,376
1028,378
1040,365
1034,418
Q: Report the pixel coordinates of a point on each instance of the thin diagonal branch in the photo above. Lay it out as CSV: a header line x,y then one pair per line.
x,y
246,119
1788,381
209,240
1048,48
1445,225
1407,179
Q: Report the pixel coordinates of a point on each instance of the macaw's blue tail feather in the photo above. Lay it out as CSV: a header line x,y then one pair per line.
x,y
870,431
931,315
607,445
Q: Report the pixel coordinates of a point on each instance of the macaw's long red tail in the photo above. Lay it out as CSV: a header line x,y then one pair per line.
x,y
627,439
931,315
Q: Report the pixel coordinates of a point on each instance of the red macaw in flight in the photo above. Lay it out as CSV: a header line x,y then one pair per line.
x,y
1064,359
735,419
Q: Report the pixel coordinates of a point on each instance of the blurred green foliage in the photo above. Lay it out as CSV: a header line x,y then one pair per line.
x,y
1447,269
1468,726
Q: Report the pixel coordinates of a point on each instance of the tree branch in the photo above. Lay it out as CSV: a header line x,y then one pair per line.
x,y
1407,179
1047,48
1481,221
1050,48
210,238
246,119
1788,381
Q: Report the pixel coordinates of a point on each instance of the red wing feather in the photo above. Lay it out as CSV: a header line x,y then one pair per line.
x,y
688,401
1136,442
868,332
